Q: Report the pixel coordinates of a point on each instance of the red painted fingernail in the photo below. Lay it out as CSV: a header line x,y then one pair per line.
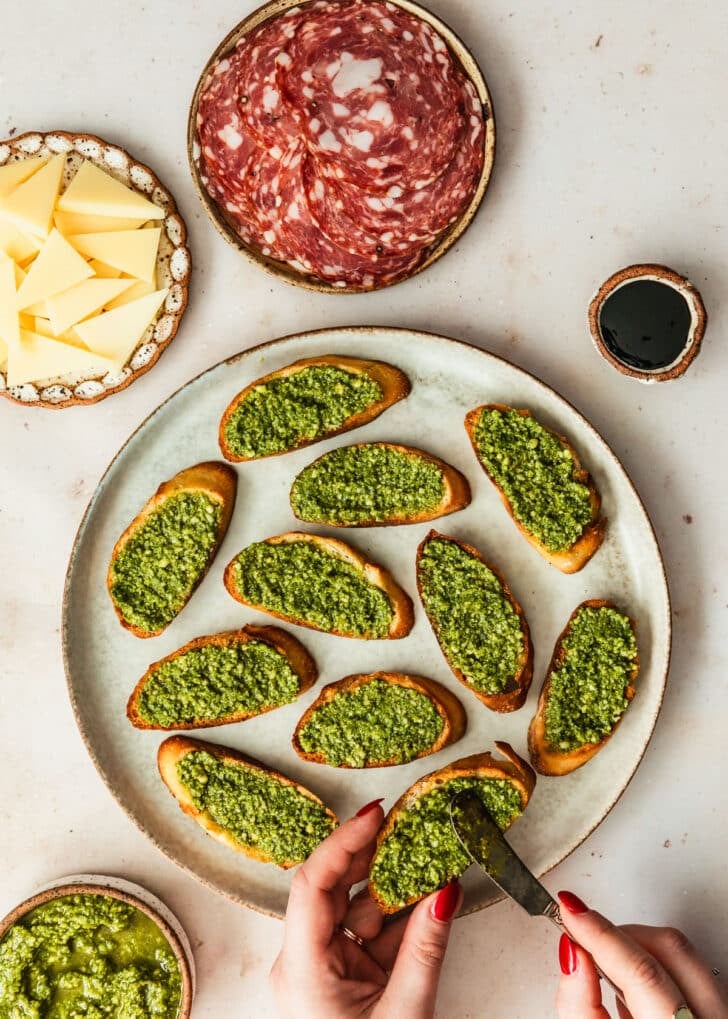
x,y
568,959
369,807
572,903
444,906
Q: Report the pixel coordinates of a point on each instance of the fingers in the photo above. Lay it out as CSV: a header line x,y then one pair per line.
x,y
412,987
363,916
580,993
320,887
674,951
647,987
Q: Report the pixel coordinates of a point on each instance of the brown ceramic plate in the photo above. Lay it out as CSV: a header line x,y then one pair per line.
x,y
282,270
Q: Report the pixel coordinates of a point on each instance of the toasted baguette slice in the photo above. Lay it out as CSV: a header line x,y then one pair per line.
x,y
219,482
514,696
546,759
574,558
484,766
403,611
455,497
174,748
295,653
447,705
394,384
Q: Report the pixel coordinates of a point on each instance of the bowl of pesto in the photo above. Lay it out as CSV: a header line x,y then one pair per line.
x,y
94,946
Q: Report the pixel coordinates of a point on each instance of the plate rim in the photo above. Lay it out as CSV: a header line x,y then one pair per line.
x,y
359,330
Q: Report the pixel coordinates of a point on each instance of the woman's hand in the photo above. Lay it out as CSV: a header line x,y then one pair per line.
x,y
321,972
656,968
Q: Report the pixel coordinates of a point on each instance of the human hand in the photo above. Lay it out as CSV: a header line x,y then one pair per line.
x,y
321,972
656,968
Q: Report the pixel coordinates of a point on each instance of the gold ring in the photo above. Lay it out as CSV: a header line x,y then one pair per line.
x,y
683,1012
360,941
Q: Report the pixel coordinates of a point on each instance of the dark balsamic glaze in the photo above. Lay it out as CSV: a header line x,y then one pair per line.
x,y
645,324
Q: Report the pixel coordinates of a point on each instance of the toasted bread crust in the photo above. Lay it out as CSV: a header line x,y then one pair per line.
x,y
403,619
574,558
544,758
173,750
298,658
394,384
515,695
448,706
216,480
485,765
456,496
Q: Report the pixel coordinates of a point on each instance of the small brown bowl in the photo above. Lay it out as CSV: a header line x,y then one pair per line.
x,y
132,895
656,273
282,270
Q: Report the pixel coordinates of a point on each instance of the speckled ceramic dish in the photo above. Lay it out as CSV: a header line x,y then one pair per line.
x,y
173,265
133,895
282,270
103,661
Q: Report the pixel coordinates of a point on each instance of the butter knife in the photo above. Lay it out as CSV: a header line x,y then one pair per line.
x,y
483,841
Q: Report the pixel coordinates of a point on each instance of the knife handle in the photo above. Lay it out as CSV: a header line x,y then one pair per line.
x,y
553,913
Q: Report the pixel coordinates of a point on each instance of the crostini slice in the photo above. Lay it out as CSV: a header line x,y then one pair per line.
x,y
379,719
588,687
377,484
321,583
248,807
312,399
480,627
551,498
417,848
224,678
167,549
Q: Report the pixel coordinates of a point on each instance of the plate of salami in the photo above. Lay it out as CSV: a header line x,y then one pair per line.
x,y
342,146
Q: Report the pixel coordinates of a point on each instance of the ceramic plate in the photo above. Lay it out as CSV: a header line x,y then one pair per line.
x,y
104,661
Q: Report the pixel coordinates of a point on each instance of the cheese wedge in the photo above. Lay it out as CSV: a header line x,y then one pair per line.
x,y
57,267
79,302
20,275
105,272
29,207
132,251
138,288
77,223
17,245
12,174
9,326
95,193
39,325
115,334
37,358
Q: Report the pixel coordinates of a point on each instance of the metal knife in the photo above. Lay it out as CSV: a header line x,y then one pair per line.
x,y
483,841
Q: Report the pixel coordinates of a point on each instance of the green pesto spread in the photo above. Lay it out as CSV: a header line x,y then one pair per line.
x,y
372,482
587,693
375,722
90,956
477,627
422,853
281,414
302,581
211,682
535,470
255,808
157,568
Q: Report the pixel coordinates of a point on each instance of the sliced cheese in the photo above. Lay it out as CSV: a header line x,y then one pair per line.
x,y
13,242
115,334
95,193
37,358
12,174
9,325
79,302
20,275
42,326
132,251
3,353
39,308
57,267
77,223
106,272
138,288
30,206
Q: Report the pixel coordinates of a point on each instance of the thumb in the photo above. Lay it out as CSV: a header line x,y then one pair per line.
x,y
412,987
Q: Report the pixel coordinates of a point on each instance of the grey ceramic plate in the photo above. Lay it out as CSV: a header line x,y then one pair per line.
x,y
103,661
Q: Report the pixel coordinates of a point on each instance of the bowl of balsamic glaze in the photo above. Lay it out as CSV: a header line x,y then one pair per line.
x,y
648,322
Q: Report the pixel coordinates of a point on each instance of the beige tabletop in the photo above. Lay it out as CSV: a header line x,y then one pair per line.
x,y
612,149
